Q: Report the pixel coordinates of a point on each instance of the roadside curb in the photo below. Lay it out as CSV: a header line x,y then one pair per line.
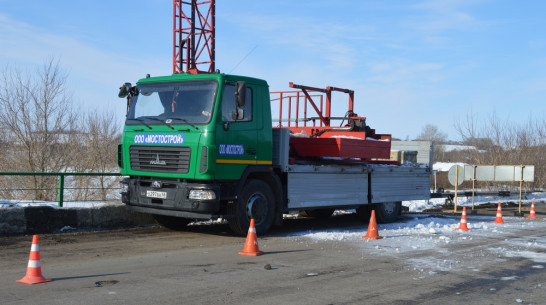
x,y
46,219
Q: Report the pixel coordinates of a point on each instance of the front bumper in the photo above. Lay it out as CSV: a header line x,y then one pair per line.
x,y
168,197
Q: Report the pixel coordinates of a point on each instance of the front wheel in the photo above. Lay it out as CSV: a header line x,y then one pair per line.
x,y
256,200
388,211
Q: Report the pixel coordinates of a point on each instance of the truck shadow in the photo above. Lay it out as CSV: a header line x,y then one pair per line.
x,y
291,225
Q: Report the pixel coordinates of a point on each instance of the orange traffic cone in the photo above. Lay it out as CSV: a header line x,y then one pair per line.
x,y
532,214
372,229
34,269
463,226
498,219
251,244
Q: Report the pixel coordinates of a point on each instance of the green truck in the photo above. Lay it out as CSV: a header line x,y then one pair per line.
x,y
203,146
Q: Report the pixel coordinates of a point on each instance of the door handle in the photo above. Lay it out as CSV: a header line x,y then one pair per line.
x,y
251,151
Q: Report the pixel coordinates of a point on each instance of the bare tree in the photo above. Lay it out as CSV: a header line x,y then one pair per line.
x,y
499,142
432,133
36,114
469,132
98,154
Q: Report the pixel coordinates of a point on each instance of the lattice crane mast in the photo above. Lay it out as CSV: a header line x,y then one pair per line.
x,y
193,36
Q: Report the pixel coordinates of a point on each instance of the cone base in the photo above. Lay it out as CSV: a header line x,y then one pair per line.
x,y
258,253
372,237
29,279
498,221
463,229
532,216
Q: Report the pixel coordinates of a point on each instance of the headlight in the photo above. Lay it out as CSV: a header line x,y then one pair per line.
x,y
202,195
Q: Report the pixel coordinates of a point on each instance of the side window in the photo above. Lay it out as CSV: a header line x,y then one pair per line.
x,y
228,104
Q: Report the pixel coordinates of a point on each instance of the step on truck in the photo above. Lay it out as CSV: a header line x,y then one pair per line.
x,y
205,146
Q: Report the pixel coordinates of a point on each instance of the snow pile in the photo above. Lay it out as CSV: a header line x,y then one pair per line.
x,y
54,204
445,166
455,147
466,201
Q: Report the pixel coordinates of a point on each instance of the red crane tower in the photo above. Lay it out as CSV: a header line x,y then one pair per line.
x,y
193,36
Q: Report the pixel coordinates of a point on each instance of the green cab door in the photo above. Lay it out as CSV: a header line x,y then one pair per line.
x,y
236,134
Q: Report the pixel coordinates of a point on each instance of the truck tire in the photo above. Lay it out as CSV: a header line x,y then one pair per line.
x,y
319,214
256,200
386,212
172,222
449,201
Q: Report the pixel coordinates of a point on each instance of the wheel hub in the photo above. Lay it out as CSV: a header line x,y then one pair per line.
x,y
255,208
389,207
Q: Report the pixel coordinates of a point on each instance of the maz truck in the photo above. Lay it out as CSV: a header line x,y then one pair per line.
x,y
203,146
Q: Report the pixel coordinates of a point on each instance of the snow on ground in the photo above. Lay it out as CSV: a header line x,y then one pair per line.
x,y
452,147
53,204
431,243
466,201
445,166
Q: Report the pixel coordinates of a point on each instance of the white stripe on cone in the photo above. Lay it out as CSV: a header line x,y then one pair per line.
x,y
34,264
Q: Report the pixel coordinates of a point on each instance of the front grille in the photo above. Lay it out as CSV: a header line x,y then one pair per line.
x,y
165,159
120,156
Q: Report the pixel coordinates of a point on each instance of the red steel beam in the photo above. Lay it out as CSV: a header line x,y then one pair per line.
x,y
351,94
304,89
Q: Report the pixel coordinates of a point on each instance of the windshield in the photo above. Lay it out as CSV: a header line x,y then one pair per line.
x,y
174,103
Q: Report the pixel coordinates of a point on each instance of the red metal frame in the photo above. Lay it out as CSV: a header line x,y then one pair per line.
x,y
319,100
323,139
193,36
341,148
294,99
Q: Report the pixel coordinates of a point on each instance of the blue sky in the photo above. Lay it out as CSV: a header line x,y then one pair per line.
x,y
411,63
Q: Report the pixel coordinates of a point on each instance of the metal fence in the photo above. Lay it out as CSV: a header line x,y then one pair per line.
x,y
61,181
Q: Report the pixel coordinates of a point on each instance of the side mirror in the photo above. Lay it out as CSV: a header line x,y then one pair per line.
x,y
240,94
124,90
237,114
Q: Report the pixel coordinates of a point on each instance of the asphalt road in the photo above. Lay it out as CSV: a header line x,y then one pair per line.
x,y
201,266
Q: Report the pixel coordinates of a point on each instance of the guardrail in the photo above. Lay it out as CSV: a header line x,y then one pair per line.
x,y
61,176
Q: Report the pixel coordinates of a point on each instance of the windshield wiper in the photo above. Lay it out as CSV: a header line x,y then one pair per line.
x,y
141,121
184,121
160,120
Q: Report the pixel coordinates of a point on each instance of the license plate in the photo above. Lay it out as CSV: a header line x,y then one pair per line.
x,y
156,194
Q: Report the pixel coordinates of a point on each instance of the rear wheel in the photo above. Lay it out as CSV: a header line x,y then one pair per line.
x,y
256,200
171,222
388,211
